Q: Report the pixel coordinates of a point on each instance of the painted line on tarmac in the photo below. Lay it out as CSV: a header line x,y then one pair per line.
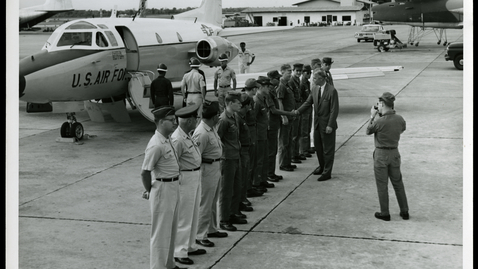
x,y
87,220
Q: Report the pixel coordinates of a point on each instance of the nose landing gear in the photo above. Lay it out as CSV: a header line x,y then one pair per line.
x,y
72,128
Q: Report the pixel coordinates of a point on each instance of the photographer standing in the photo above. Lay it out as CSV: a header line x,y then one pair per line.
x,y
386,158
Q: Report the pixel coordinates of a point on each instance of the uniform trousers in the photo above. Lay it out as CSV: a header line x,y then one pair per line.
x,y
285,140
272,143
262,157
306,122
207,223
245,172
386,163
230,190
190,195
195,98
164,201
252,156
221,95
244,68
295,145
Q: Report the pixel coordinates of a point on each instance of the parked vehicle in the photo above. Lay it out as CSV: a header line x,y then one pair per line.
x,y
387,40
454,52
368,31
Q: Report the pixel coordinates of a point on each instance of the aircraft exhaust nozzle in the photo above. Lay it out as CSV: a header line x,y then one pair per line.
x,y
21,85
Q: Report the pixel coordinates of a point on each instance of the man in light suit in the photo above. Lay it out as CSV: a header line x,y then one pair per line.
x,y
325,99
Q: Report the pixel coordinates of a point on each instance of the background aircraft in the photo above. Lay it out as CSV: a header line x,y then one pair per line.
x,y
31,16
424,17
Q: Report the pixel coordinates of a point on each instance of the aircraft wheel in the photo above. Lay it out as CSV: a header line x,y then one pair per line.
x,y
416,45
65,130
358,40
458,61
77,130
381,48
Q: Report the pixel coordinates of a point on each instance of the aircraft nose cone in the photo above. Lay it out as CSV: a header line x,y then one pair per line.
x,y
21,85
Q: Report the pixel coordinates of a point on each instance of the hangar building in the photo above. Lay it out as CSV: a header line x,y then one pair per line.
x,y
311,12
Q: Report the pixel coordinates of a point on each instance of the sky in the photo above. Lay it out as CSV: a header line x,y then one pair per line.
x,y
130,4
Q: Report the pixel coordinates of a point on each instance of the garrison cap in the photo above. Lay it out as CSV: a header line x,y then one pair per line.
x,y
264,81
245,99
188,111
194,62
232,96
327,60
387,98
251,83
274,74
210,109
315,61
162,111
307,68
223,57
298,66
162,67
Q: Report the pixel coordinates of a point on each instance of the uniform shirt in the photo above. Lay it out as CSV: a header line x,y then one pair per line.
x,y
244,131
224,76
161,87
208,141
193,81
285,93
294,84
228,131
387,129
304,88
244,56
262,115
188,153
160,157
252,123
274,119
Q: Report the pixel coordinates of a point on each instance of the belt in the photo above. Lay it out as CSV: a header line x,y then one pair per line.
x,y
194,92
225,86
387,147
167,179
190,170
204,160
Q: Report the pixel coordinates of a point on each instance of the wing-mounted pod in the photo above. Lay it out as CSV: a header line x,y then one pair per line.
x,y
209,49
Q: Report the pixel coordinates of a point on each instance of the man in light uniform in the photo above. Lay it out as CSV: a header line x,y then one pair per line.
x,y
246,58
210,147
222,79
160,174
193,85
189,191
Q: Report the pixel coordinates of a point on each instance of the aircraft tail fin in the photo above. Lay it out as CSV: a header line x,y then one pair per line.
x,y
210,11
142,8
114,12
57,5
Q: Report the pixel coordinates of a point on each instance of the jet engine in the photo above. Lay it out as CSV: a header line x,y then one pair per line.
x,y
209,49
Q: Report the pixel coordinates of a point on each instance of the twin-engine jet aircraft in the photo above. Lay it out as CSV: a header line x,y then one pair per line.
x,y
97,64
424,17
31,16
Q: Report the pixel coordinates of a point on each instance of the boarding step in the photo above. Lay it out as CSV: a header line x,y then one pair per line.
x,y
139,91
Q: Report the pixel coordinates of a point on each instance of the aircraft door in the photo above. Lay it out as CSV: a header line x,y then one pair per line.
x,y
131,46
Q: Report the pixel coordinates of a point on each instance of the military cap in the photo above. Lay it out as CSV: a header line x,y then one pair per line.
x,y
162,111
274,74
307,68
232,96
188,111
210,109
315,61
223,57
327,60
251,83
162,67
245,99
194,62
298,66
242,43
387,98
264,81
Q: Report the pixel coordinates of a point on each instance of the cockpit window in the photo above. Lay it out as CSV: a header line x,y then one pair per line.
x,y
101,40
81,25
111,38
75,38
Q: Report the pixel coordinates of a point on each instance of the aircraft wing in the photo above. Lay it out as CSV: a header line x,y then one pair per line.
x,y
232,31
337,74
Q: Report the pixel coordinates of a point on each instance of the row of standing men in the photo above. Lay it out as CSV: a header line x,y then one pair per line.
x,y
192,171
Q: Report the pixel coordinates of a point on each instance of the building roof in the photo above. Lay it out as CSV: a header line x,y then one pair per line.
x,y
300,9
338,1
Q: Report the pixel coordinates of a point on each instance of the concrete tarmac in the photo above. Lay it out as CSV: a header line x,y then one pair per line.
x,y
80,204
